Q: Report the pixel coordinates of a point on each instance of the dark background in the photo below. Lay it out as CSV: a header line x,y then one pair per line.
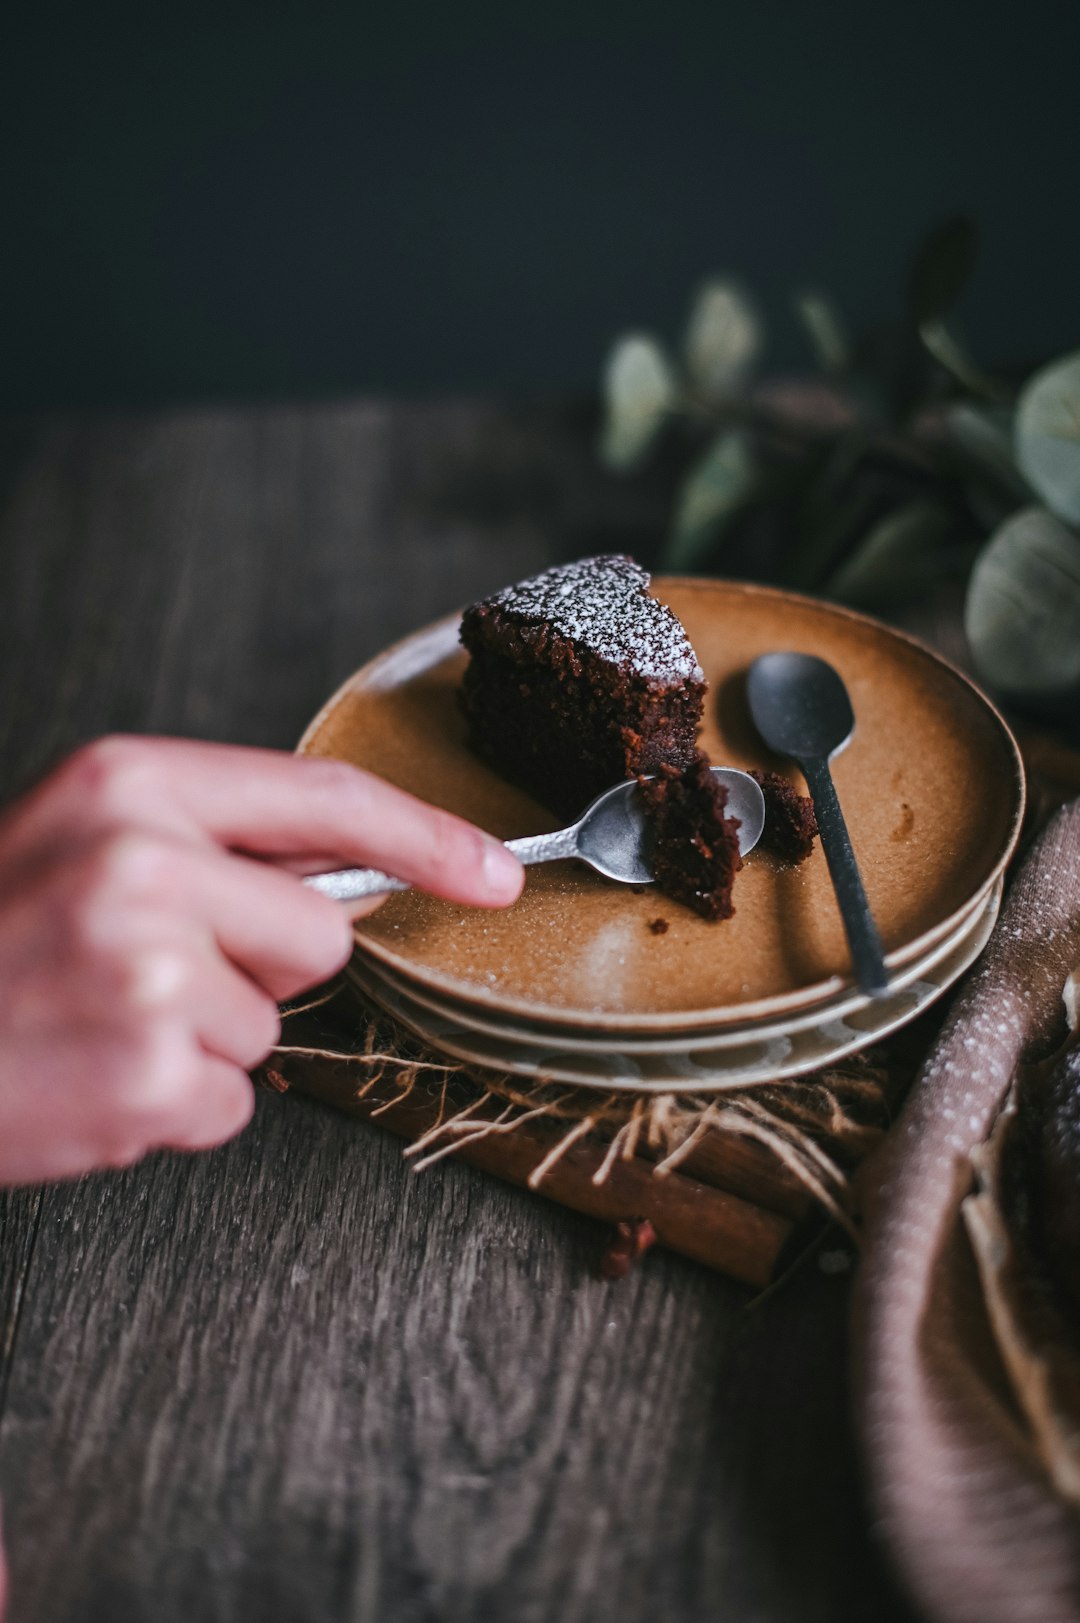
x,y
248,202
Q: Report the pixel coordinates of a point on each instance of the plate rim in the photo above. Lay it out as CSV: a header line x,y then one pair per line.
x,y
806,997
726,1035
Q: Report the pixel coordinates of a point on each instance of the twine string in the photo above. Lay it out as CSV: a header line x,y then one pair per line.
x,y
817,1128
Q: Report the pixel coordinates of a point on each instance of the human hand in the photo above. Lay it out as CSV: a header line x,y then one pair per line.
x,y
152,918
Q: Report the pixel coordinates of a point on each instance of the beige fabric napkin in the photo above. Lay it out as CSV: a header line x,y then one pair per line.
x,y
962,1497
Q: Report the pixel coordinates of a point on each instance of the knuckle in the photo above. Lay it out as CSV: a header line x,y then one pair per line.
x,y
168,1074
256,1033
111,773
319,942
226,1105
128,863
120,1153
335,935
237,1103
152,980
152,1075
328,942
266,1030
135,863
132,864
122,868
335,779
453,848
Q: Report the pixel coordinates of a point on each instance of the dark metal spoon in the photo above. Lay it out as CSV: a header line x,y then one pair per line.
x,y
801,708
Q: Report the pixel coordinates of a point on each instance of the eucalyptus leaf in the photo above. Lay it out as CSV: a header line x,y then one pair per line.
x,y
1022,615
639,392
718,487
1048,435
723,339
951,354
896,557
941,268
825,330
984,434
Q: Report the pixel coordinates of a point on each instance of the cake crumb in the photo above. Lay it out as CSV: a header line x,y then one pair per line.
x,y
659,926
905,825
790,824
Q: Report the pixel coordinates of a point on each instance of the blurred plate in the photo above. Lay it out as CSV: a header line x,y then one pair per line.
x,y
931,785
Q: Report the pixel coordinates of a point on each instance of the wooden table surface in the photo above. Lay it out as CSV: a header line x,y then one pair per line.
x,y
288,1381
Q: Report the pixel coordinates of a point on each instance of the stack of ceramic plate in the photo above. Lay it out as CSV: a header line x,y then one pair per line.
x,y
591,983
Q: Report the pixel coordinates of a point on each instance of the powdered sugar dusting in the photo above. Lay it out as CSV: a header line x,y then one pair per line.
x,y
603,604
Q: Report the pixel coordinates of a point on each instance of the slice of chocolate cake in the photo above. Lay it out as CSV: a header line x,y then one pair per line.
x,y
578,678
694,844
790,820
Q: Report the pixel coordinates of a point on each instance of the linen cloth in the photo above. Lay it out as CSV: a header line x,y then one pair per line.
x,y
961,1497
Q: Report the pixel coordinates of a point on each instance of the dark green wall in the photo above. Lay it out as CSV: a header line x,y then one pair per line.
x,y
268,201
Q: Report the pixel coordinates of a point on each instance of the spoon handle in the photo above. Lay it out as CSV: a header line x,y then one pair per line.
x,y
349,884
863,938
545,847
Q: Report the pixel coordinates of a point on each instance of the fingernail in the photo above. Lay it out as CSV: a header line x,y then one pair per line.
x,y
502,871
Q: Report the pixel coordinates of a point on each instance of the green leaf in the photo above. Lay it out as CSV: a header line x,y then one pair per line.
x,y
896,557
639,392
984,434
1048,436
951,354
723,339
1022,615
825,330
717,488
941,268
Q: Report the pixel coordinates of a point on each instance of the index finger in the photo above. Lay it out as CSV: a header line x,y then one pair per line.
x,y
271,804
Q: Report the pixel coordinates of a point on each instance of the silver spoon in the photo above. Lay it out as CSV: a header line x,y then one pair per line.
x,y
801,708
610,837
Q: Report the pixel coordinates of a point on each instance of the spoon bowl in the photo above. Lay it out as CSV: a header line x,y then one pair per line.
x,y
610,836
800,705
801,708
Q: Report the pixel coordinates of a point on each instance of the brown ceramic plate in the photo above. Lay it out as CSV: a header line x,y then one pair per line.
x,y
682,1065
491,1021
931,785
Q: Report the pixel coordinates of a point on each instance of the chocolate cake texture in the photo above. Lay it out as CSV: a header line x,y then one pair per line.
x,y
790,820
694,843
578,679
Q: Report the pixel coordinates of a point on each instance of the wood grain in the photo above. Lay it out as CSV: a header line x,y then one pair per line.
x,y
286,1380
20,1214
